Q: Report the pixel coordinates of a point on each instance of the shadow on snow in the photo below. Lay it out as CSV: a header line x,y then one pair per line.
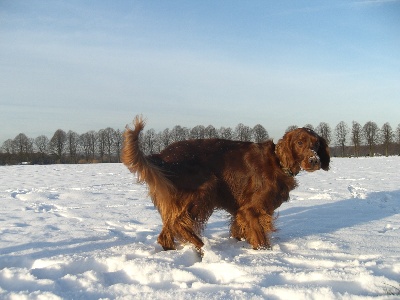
x,y
303,221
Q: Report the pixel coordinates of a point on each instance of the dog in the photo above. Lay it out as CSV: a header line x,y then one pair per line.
x,y
190,179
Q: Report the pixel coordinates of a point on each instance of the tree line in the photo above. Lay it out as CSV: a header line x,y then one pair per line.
x,y
64,147
105,145
358,140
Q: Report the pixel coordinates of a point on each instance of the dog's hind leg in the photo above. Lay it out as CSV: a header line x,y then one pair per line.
x,y
198,207
184,226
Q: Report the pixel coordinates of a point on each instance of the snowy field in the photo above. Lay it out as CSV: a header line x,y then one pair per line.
x,y
89,232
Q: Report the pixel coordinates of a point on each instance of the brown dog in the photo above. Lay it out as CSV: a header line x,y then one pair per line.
x,y
190,179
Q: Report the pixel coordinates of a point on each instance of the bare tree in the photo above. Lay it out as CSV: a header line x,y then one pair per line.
x,y
210,132
324,131
158,147
371,136
42,145
148,141
226,133
72,145
291,127
243,133
23,146
88,142
117,145
341,131
8,147
356,137
109,135
197,132
93,137
19,141
179,133
101,144
387,137
166,138
260,134
309,126
57,144
398,137
85,143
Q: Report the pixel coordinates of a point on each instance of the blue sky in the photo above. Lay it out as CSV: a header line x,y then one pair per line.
x,y
88,65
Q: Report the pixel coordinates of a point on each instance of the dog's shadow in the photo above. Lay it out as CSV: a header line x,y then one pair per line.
x,y
297,222
303,221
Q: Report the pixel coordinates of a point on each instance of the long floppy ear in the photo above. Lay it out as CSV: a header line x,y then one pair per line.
x,y
323,153
284,153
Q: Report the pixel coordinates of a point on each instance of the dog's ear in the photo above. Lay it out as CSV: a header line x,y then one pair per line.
x,y
284,153
323,153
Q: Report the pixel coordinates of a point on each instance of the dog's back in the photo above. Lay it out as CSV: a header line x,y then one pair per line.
x,y
188,164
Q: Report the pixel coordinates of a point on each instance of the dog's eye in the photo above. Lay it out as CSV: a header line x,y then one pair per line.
x,y
300,143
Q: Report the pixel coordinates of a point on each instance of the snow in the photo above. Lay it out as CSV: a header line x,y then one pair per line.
x,y
90,232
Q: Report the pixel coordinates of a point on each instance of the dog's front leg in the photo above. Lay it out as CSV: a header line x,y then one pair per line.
x,y
253,224
166,239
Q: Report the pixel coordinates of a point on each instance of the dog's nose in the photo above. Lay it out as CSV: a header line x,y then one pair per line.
x,y
314,161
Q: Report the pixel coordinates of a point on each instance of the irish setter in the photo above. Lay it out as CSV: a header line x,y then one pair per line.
x,y
190,179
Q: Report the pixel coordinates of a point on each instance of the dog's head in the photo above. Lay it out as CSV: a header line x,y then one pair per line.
x,y
302,149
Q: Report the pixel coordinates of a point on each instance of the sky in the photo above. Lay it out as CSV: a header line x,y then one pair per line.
x,y
88,65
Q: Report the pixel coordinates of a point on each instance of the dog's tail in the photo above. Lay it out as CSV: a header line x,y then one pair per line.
x,y
135,160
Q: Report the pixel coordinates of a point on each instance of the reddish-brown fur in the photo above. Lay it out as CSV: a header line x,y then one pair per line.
x,y
190,179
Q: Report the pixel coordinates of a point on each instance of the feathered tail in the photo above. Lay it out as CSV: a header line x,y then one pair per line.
x,y
135,160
